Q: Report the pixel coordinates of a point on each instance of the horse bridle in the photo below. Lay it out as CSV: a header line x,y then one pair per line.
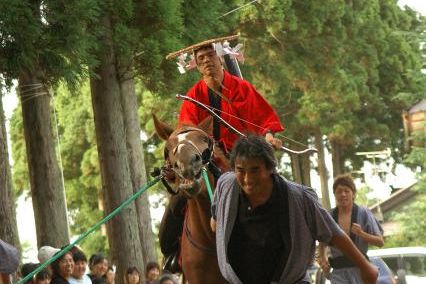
x,y
206,156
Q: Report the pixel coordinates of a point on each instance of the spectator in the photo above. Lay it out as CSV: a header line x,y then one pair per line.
x,y
26,269
43,277
168,279
45,253
152,272
266,226
133,276
110,275
62,269
9,261
98,265
358,223
80,264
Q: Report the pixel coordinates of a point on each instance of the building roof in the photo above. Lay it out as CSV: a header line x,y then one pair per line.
x,y
420,106
395,200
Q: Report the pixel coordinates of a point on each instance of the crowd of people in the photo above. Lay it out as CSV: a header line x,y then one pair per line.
x,y
74,267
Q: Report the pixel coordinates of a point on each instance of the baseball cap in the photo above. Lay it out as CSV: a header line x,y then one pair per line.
x,y
9,258
46,252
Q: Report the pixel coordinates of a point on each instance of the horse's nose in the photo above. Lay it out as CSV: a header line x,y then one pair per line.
x,y
192,168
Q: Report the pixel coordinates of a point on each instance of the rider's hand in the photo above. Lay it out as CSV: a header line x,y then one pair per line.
x,y
275,142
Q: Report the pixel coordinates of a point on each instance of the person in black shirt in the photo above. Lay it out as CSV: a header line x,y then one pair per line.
x,y
62,269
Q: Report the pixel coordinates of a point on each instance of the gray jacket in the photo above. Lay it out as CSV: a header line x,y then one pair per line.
x,y
308,221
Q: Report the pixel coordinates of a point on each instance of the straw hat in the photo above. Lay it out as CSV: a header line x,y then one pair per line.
x,y
185,56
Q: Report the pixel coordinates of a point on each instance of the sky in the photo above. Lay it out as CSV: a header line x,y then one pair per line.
x,y
25,215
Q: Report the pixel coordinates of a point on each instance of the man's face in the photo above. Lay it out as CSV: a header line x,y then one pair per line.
x,y
100,268
153,274
133,278
66,265
79,269
252,175
344,195
208,63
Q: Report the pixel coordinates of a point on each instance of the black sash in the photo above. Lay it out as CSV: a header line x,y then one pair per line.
x,y
215,103
354,215
343,261
284,226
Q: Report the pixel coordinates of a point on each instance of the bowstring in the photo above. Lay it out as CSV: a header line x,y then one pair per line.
x,y
258,126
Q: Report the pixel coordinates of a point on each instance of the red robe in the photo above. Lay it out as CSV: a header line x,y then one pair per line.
x,y
244,102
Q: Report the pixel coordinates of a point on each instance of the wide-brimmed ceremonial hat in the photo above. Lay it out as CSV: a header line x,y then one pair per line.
x,y
193,47
185,56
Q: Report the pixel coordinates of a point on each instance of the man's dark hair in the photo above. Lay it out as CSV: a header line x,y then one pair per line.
x,y
254,147
151,265
166,277
132,269
43,275
202,47
55,264
27,268
95,259
345,180
78,255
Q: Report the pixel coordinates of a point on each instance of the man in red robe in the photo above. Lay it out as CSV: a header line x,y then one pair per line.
x,y
235,100
238,103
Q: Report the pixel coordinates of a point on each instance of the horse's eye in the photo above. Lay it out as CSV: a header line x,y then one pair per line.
x,y
197,158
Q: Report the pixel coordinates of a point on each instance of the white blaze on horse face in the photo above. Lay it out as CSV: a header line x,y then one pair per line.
x,y
188,156
182,137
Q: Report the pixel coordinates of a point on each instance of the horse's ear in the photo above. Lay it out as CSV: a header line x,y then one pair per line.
x,y
207,125
163,130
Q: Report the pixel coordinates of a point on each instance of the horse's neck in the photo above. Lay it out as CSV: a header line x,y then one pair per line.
x,y
199,215
220,159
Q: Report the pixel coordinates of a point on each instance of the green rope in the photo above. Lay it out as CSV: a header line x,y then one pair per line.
x,y
91,230
206,179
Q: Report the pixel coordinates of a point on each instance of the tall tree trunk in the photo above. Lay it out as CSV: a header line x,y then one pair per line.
x,y
111,141
337,157
8,227
300,164
301,168
47,189
322,169
137,164
296,168
306,170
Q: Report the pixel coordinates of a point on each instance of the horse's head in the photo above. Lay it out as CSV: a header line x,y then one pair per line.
x,y
188,149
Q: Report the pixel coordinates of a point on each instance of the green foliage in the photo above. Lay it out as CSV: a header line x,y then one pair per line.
x,y
51,35
362,197
347,69
412,232
20,176
80,164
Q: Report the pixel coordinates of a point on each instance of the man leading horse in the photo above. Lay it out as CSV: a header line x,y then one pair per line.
x,y
237,102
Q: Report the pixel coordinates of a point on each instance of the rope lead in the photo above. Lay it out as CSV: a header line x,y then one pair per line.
x,y
90,230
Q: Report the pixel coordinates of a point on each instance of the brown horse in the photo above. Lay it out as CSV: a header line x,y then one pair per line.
x,y
188,149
